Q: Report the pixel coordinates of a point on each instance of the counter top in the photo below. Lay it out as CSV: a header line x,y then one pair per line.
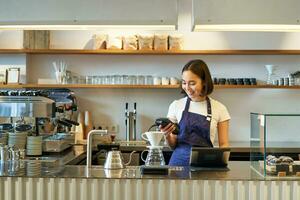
x,y
239,170
237,146
54,165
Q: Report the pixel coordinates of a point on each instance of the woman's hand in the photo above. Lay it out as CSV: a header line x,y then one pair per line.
x,y
168,129
170,137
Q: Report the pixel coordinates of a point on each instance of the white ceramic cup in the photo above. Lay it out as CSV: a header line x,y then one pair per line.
x,y
156,80
174,81
165,80
154,137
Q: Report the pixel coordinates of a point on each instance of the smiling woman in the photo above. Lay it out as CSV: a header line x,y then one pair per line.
x,y
196,80
200,117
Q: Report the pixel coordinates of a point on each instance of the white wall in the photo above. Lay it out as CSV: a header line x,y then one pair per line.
x,y
107,105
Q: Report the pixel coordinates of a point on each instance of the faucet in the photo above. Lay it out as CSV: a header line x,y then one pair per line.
x,y
130,122
90,144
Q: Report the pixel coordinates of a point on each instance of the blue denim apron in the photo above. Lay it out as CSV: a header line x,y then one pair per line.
x,y
194,131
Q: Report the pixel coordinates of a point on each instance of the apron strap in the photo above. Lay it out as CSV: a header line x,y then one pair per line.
x,y
187,104
209,115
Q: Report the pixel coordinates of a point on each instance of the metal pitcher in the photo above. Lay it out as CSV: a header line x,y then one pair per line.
x,y
114,160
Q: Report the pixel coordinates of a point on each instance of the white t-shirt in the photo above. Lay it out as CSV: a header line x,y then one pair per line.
x,y
219,112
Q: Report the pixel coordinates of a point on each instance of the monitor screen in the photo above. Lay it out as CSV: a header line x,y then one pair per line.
x,y
209,157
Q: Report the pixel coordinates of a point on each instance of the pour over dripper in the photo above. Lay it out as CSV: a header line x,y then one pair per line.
x,y
271,75
153,137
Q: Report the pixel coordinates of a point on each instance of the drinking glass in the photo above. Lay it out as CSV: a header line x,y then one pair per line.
x,y
132,80
100,79
149,80
107,79
118,79
140,80
95,80
75,79
115,79
82,80
89,79
124,79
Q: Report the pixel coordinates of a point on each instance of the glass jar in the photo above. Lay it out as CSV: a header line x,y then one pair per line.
x,y
140,80
124,80
89,79
149,80
132,80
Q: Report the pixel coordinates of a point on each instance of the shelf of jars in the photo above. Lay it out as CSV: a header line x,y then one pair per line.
x,y
78,86
151,52
88,86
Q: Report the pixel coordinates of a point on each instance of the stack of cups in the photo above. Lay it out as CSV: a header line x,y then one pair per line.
x,y
33,168
3,138
34,145
17,139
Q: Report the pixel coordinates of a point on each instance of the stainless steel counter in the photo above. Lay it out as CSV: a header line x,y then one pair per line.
x,y
39,181
49,178
236,147
54,165
239,170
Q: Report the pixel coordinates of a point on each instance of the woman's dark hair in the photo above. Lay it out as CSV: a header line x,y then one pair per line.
x,y
200,68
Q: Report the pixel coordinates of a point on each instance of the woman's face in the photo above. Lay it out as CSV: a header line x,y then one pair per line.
x,y
192,85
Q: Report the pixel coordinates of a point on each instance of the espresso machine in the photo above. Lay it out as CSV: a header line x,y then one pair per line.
x,y
48,112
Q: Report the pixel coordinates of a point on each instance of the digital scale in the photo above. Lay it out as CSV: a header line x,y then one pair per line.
x,y
155,170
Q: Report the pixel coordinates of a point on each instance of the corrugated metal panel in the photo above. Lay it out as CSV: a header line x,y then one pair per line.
x,y
131,189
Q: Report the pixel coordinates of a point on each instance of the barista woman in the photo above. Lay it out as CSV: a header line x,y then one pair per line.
x,y
200,117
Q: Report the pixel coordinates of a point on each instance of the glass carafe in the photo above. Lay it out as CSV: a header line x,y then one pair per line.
x,y
154,158
271,74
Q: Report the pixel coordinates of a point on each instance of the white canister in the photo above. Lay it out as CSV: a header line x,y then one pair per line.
x,y
165,80
156,80
174,81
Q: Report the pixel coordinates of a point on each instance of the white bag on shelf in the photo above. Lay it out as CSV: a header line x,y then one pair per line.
x,y
130,42
145,42
114,42
161,42
176,42
99,41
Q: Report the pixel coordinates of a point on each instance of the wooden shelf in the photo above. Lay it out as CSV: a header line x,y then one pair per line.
x,y
88,86
256,87
11,86
78,86
151,52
